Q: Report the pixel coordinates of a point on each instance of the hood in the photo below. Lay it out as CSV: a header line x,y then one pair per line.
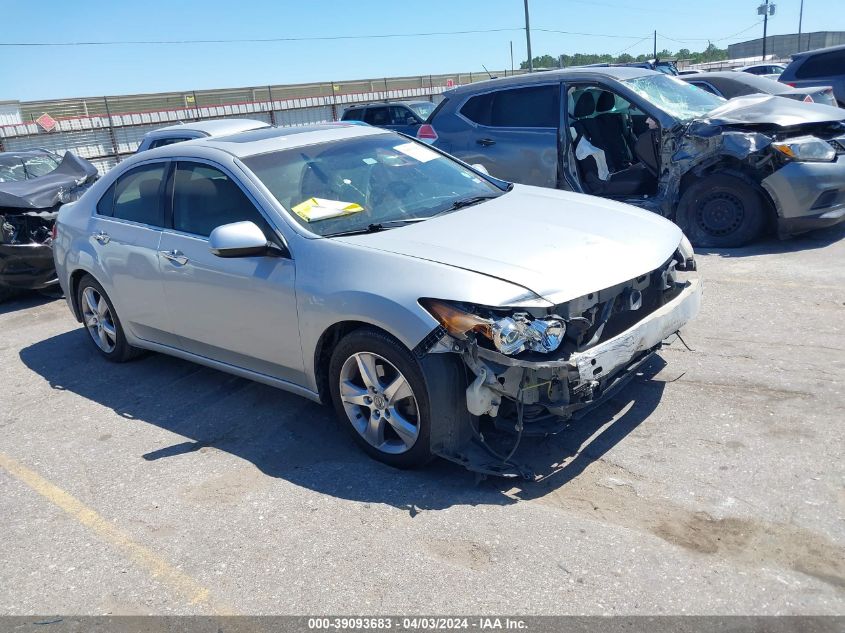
x,y
51,189
557,244
767,110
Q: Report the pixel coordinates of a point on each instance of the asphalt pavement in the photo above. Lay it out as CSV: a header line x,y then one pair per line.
x,y
712,484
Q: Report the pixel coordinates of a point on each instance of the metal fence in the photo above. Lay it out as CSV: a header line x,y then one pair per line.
x,y
106,129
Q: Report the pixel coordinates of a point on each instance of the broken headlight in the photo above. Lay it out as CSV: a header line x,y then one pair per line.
x,y
510,334
806,149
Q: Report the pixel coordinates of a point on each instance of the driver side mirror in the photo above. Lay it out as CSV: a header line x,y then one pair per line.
x,y
239,239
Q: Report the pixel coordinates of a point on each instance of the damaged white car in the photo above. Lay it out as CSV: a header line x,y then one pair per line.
x,y
422,298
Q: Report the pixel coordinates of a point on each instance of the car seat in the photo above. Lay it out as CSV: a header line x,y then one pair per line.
x,y
600,153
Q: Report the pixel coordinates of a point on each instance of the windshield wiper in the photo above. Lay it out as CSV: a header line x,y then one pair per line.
x,y
375,227
465,202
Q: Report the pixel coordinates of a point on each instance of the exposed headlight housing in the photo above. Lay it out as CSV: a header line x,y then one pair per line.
x,y
510,334
806,149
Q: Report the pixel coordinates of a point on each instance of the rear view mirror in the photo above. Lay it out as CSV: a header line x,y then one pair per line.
x,y
239,239
411,121
481,168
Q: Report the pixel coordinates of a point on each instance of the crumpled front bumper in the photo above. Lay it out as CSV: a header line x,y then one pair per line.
x,y
808,195
584,378
27,266
609,356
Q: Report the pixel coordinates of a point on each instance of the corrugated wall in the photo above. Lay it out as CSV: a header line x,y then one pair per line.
x,y
106,129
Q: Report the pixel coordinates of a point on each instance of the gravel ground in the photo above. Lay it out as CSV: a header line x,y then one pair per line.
x,y
713,484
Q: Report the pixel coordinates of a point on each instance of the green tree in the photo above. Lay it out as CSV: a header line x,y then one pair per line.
x,y
624,58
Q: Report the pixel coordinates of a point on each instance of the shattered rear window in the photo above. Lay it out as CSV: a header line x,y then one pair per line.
x,y
674,96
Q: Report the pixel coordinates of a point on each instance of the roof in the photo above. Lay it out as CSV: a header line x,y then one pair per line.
x,y
271,139
619,73
829,49
216,127
385,103
756,82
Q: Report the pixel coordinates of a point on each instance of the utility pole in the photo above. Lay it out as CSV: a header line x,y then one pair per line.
x,y
511,57
800,20
655,44
766,10
765,27
528,39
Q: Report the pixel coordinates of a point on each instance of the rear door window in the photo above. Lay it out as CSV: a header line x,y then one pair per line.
x,y
822,65
170,140
137,195
377,116
533,107
353,115
205,198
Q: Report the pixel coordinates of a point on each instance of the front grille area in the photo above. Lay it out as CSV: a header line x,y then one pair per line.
x,y
659,290
838,145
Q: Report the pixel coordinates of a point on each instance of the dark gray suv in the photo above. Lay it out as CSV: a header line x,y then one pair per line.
x,y
725,171
821,67
399,116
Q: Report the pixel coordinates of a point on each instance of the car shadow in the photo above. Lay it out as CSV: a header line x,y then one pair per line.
x,y
26,299
291,438
819,238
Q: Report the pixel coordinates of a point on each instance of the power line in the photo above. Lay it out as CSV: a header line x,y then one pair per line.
x,y
627,48
258,40
622,37
709,39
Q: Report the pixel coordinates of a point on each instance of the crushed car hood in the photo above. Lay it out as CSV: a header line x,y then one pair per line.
x,y
765,111
47,191
559,245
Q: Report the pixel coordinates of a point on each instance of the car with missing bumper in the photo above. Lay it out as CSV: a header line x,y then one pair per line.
x,y
354,266
725,171
33,185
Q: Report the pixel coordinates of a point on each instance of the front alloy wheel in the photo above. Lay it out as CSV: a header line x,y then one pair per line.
x,y
379,402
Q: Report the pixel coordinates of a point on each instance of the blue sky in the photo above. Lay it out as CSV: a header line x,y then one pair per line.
x,y
53,72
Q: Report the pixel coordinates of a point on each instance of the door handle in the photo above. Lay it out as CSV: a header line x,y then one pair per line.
x,y
177,257
101,236
486,142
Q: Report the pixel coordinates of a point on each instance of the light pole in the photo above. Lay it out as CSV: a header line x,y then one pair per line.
x,y
528,39
800,20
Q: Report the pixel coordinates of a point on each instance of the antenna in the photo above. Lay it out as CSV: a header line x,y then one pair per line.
x,y
487,71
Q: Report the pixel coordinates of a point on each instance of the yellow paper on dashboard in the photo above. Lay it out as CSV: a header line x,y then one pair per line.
x,y
315,209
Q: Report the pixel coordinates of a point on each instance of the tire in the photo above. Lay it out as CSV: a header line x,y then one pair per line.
x,y
396,431
721,211
102,323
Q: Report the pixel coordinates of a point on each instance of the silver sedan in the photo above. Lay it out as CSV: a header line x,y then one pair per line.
x,y
428,302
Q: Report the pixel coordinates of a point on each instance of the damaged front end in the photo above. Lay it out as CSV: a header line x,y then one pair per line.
x,y
26,253
29,206
530,371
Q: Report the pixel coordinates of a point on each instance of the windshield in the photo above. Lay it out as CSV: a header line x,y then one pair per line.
x,y
674,96
351,184
11,169
15,168
423,110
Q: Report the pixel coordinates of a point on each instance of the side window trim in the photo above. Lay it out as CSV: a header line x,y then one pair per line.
x,y
277,237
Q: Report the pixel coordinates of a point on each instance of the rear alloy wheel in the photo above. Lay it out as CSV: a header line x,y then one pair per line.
x,y
101,321
721,211
377,387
